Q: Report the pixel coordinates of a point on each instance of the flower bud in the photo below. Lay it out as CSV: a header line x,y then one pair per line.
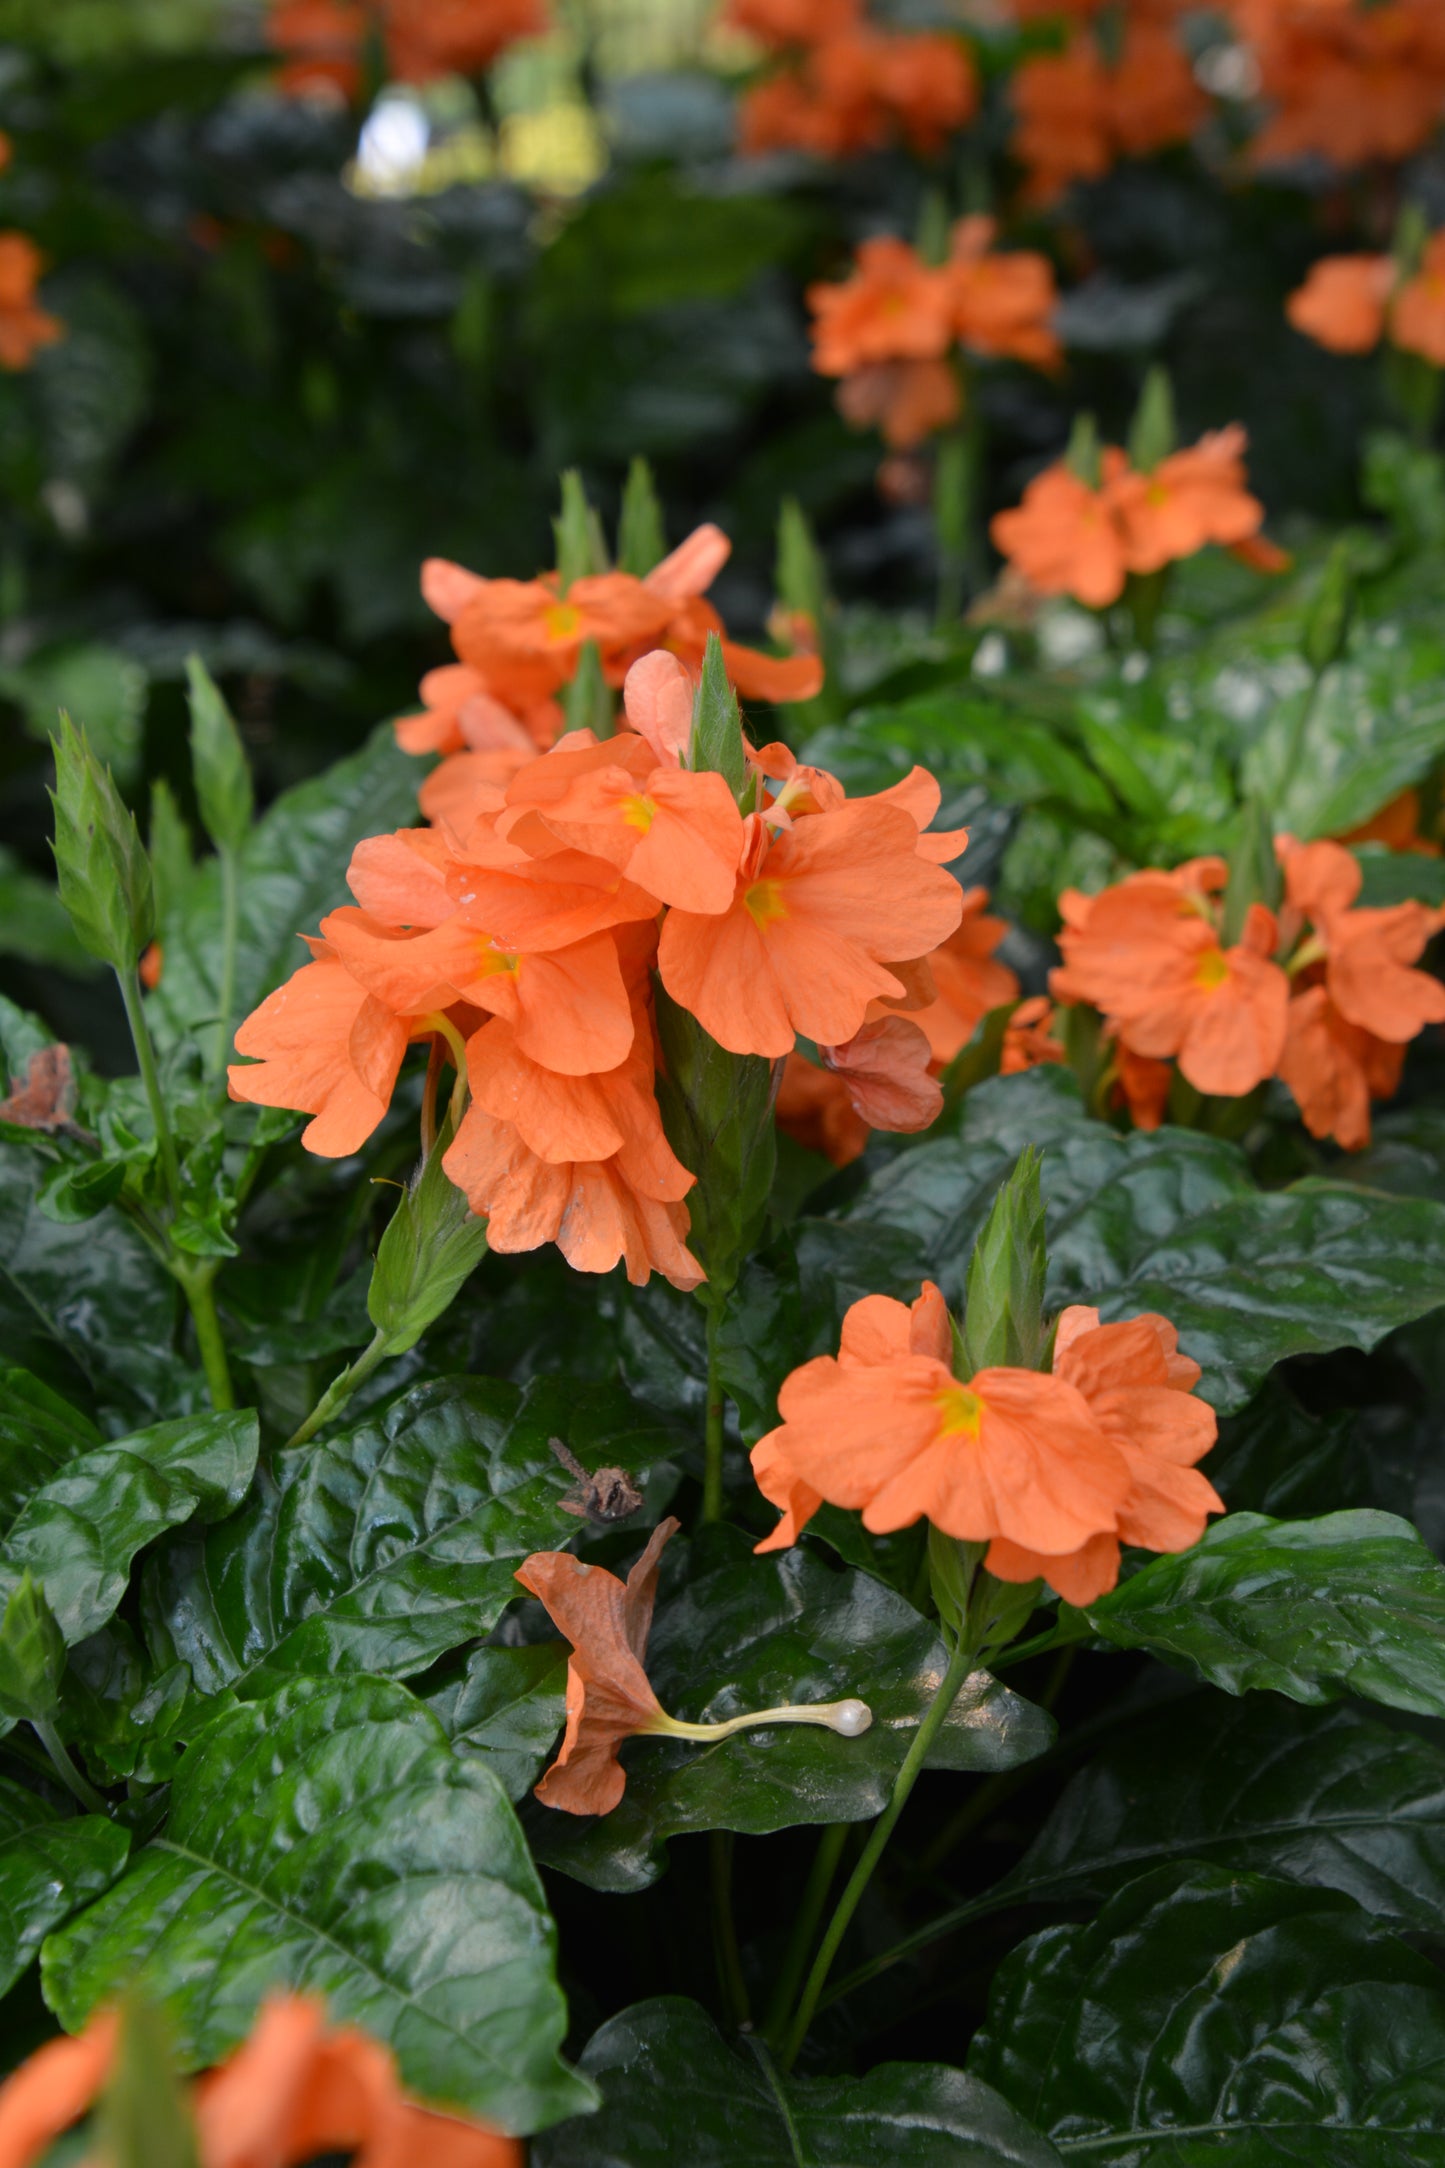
x,y
101,867
1003,1319
432,1244
717,1110
641,543
717,723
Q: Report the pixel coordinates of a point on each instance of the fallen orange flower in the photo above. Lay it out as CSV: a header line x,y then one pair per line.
x,y
609,1698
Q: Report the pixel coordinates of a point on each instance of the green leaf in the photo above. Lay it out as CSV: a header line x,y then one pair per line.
x,y
292,871
1003,1320
394,1541
508,1705
1352,1603
70,1195
32,1653
79,1533
1400,877
717,724
39,1433
742,1633
100,862
717,1109
329,1840
1324,1797
218,762
1331,611
1206,2015
49,1866
1170,1221
674,2091
432,1245
33,921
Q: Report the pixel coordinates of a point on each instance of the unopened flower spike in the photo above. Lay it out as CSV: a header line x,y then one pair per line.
x,y
609,1698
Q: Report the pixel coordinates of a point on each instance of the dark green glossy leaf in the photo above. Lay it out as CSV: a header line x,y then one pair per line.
x,y
1326,1797
39,1433
675,2092
1210,2016
292,871
386,1545
1170,1221
329,1839
49,1865
509,1705
80,1531
1352,1603
736,1633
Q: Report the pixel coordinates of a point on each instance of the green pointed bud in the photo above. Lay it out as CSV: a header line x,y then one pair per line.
x,y
32,1654
1407,247
169,845
1255,873
218,762
144,2119
101,867
934,229
432,1245
581,549
998,1612
1003,1317
1083,458
641,542
952,1567
1152,433
953,493
717,1110
587,702
1331,612
717,723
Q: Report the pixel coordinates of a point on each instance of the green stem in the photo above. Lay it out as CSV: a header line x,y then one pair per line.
x,y
145,1055
958,1670
65,1768
230,915
341,1388
732,1985
977,1908
805,1925
200,1292
712,1481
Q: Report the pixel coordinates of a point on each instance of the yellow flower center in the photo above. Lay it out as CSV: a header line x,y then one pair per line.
x,y
493,962
1212,970
765,901
960,1411
639,813
562,621
1157,493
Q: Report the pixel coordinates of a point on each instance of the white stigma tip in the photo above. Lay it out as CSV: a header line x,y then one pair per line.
x,y
852,1718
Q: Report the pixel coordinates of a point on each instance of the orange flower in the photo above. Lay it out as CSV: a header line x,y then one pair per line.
x,y
1348,84
926,82
817,915
322,40
1028,1039
1003,299
1064,539
1077,115
1417,315
296,2089
607,1622
1142,1085
426,39
526,636
794,111
1343,302
1191,498
1146,952
779,23
885,1427
1367,954
24,327
1139,1389
905,400
1335,1069
1397,825
893,307
879,1080
324,1045
968,980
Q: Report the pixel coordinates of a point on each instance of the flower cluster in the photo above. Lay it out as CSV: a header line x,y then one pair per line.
x,y
888,329
520,642
1345,82
324,41
1079,537
1052,1470
296,2089
519,935
1351,303
1322,994
1084,108
847,85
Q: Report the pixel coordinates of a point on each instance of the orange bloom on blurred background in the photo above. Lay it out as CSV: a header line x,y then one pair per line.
x,y
1192,498
849,90
1064,539
323,40
609,1699
1343,302
1077,114
779,23
1346,83
905,401
1003,299
879,1080
1417,314
892,307
24,326
1029,1037
968,979
297,2088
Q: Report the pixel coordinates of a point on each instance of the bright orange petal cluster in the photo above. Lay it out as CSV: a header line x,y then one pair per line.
x,y
1051,1470
846,85
1325,995
323,40
888,329
1068,537
1349,84
1080,112
24,326
1350,303
295,2090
